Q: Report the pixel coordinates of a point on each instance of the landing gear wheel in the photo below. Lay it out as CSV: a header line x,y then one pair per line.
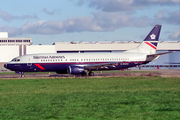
x,y
91,74
22,75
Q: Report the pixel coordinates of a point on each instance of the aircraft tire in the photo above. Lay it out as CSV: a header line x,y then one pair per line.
x,y
91,73
23,75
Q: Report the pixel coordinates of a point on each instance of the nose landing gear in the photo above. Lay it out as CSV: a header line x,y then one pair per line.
x,y
21,73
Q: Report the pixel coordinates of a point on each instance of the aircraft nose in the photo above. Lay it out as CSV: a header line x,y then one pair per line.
x,y
5,65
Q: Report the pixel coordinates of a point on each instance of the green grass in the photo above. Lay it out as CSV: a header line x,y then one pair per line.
x,y
89,99
6,73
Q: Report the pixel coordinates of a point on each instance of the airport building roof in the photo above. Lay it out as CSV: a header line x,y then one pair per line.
x,y
5,41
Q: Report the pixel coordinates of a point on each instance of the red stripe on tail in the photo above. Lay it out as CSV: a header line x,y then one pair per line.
x,y
150,45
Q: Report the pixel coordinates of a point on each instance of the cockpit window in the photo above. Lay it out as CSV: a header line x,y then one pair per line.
x,y
15,60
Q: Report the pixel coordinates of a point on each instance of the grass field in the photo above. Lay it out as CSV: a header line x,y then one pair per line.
x,y
89,99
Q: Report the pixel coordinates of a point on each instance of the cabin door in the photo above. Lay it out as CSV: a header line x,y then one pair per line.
x,y
29,63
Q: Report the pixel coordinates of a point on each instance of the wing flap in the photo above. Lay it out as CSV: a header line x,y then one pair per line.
x,y
96,66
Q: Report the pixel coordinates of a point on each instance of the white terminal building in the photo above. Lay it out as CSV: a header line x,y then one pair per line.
x,y
13,47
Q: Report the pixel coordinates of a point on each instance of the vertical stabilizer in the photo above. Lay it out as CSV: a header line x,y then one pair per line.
x,y
154,34
149,45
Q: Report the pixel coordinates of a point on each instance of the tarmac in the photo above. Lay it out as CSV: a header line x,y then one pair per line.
x,y
130,73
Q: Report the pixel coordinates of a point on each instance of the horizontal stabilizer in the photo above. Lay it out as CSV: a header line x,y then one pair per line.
x,y
160,53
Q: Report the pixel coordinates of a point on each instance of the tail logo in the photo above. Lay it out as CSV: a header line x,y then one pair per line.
x,y
153,36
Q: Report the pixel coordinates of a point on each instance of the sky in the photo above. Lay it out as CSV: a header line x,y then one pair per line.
x,y
49,21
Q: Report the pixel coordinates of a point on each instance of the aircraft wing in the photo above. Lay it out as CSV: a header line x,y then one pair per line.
x,y
100,66
114,64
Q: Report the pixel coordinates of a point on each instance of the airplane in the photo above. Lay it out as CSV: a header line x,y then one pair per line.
x,y
86,63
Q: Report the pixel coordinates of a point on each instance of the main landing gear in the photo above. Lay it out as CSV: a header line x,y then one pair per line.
x,y
85,73
91,73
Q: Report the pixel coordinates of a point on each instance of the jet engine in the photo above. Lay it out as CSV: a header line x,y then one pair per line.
x,y
76,70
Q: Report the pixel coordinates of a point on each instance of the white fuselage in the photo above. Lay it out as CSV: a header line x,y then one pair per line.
x,y
61,61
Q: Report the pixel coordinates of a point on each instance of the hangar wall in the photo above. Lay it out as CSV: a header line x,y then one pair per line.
x,y
7,53
35,49
67,46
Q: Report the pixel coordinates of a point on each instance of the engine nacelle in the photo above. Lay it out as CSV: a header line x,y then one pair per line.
x,y
76,70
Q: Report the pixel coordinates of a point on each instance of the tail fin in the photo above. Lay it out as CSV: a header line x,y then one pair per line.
x,y
149,45
154,34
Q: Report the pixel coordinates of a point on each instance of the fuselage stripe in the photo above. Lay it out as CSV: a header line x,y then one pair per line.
x,y
39,66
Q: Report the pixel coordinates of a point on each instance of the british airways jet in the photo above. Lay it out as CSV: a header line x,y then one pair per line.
x,y
85,63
